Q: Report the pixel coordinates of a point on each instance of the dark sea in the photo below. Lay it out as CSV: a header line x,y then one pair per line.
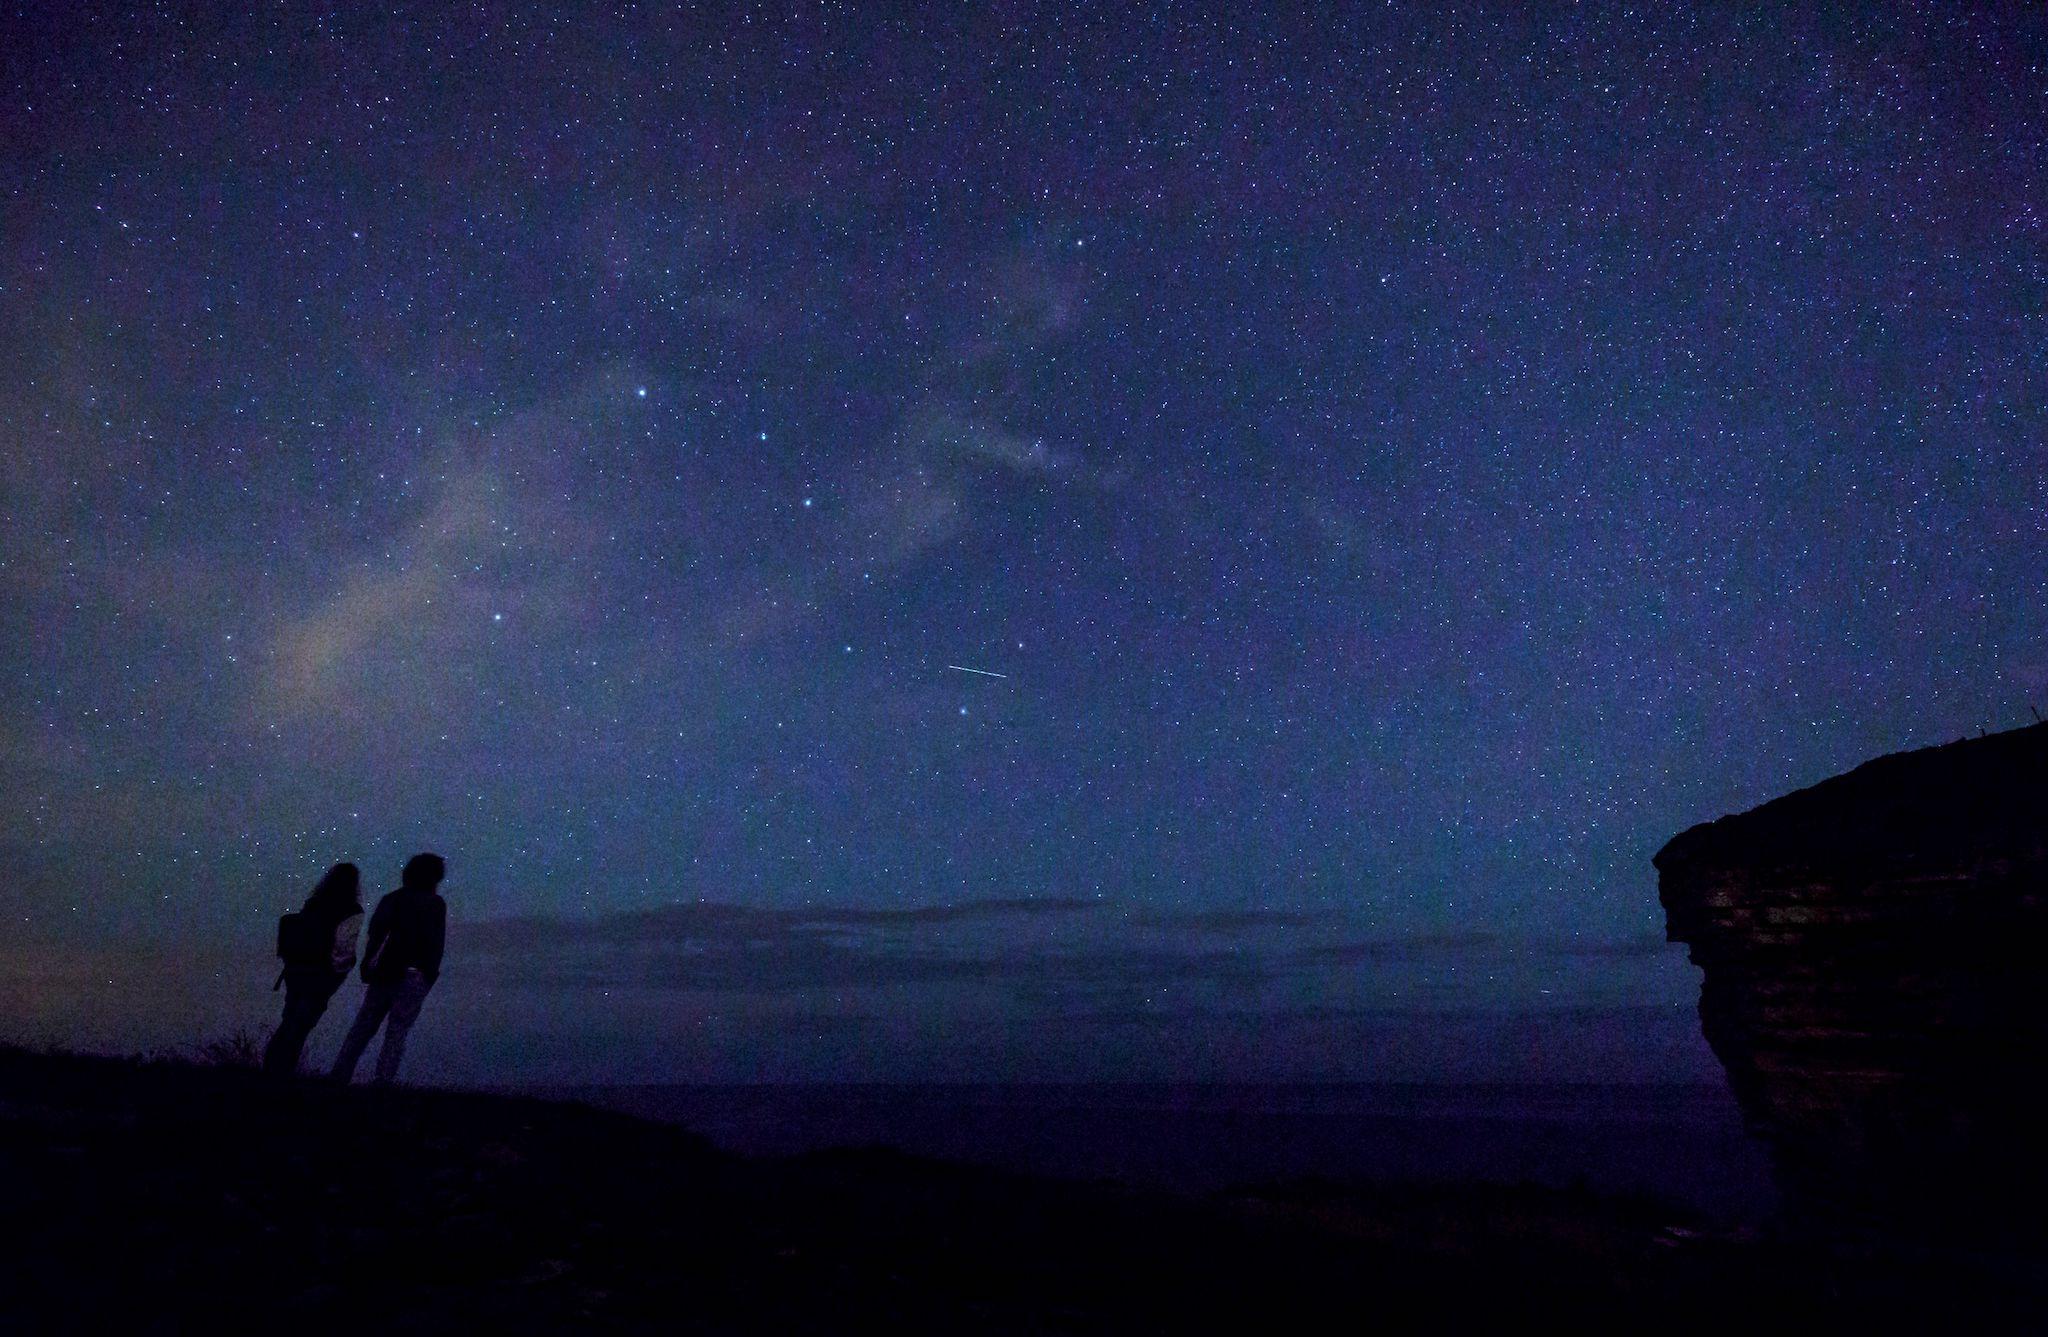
x,y
1684,1143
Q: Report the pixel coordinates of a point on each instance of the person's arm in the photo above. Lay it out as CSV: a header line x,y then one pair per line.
x,y
380,928
344,958
437,939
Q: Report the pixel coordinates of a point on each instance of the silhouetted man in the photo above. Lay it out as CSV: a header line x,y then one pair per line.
x,y
401,961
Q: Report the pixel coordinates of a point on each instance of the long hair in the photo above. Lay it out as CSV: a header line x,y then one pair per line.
x,y
340,884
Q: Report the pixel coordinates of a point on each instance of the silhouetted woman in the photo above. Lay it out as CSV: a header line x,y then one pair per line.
x,y
318,945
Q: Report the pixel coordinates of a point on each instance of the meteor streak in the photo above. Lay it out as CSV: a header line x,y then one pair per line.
x,y
983,672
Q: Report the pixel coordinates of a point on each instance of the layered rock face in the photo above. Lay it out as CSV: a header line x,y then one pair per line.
x,y
1875,951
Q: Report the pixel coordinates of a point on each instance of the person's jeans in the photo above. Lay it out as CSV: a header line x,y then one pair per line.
x,y
306,992
394,1006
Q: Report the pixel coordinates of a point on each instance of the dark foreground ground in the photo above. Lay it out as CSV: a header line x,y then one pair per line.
x,y
171,1197
1681,1142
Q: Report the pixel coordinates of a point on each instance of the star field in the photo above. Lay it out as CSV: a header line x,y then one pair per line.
x,y
1405,466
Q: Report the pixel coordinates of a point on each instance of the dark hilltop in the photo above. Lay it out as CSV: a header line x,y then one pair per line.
x,y
176,1197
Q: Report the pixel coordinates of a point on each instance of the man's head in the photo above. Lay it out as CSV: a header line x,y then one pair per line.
x,y
423,872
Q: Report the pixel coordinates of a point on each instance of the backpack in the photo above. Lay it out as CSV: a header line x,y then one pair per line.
x,y
301,939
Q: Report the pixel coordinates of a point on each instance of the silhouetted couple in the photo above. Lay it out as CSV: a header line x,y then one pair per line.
x,y
402,961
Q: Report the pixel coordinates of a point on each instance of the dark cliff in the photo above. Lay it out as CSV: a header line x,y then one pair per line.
x,y
1875,951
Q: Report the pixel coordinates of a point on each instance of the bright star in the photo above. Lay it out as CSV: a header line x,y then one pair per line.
x,y
640,391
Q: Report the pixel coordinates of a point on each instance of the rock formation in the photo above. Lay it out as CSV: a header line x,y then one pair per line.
x,y
1875,951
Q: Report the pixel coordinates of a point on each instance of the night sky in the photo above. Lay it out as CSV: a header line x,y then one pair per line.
x,y
1401,470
